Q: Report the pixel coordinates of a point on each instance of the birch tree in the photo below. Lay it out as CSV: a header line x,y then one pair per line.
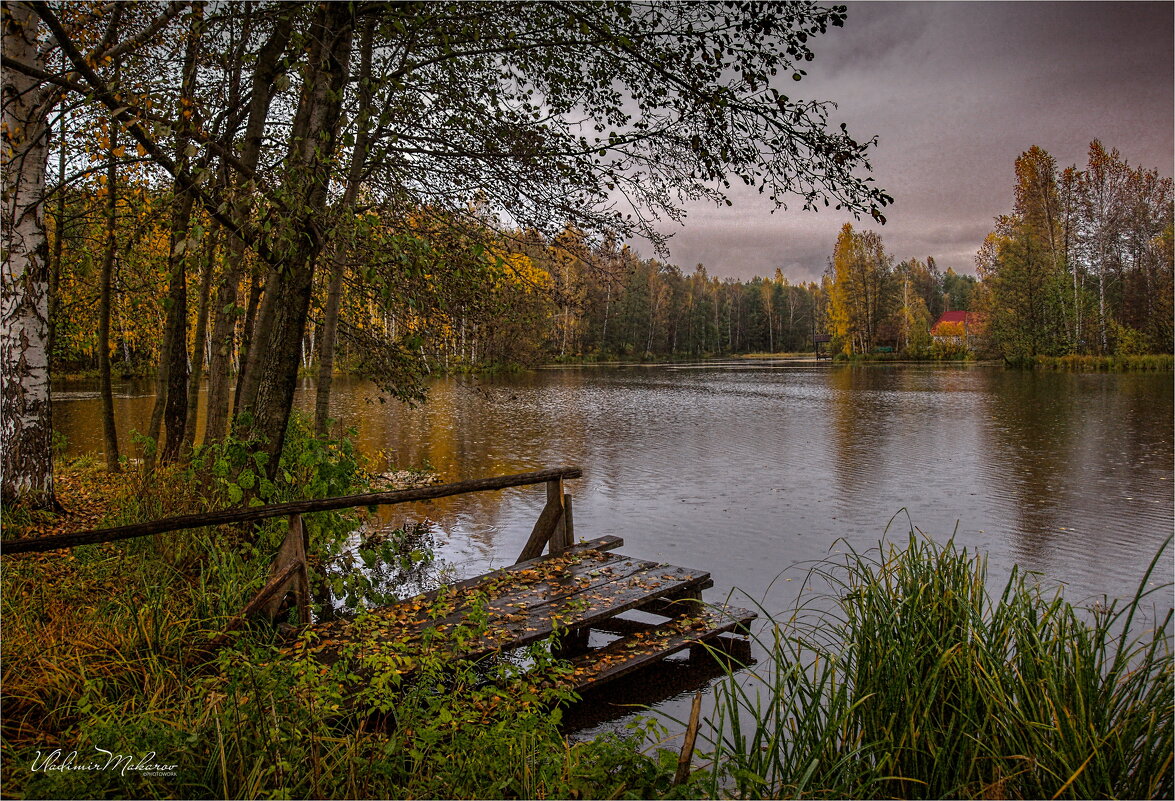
x,y
25,413
1103,195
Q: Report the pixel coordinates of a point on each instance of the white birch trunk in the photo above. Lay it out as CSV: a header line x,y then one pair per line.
x,y
25,423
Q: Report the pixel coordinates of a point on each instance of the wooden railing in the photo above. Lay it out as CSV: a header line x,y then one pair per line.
x,y
554,529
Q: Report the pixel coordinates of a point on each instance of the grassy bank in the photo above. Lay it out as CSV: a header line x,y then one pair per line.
x,y
103,659
99,662
917,683
958,357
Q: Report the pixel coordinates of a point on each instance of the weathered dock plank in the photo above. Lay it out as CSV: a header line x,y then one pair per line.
x,y
645,644
601,544
518,607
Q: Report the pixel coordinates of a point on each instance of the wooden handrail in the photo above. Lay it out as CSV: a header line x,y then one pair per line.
x,y
224,516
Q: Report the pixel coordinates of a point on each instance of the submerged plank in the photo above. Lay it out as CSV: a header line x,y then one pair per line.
x,y
652,643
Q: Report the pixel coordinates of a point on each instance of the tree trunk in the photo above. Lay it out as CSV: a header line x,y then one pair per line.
x,y
326,347
607,314
1101,302
656,305
259,320
228,312
59,232
223,339
175,413
770,325
201,334
109,429
248,325
282,323
155,425
330,316
26,422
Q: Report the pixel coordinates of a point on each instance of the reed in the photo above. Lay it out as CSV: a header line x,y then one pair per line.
x,y
912,681
1152,362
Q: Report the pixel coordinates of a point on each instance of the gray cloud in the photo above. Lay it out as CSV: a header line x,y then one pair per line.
x,y
955,92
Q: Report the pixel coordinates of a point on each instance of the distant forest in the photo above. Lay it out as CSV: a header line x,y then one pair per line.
x,y
1082,264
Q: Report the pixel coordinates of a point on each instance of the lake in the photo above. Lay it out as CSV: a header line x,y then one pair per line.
x,y
754,469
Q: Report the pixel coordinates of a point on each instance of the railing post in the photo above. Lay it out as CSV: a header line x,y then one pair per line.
x,y
551,526
569,534
560,540
292,553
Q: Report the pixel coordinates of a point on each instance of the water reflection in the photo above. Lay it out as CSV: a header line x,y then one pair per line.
x,y
1084,463
1031,430
862,404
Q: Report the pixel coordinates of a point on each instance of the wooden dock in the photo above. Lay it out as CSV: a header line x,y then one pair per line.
x,y
566,595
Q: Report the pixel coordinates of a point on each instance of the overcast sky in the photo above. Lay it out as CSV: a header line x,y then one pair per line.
x,y
955,92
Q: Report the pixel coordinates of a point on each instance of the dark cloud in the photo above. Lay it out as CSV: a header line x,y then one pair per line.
x,y
955,92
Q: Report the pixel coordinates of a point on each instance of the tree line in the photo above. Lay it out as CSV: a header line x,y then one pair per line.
x,y
453,301
421,296
1083,263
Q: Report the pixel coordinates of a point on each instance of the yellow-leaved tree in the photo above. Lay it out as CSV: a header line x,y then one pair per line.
x,y
860,296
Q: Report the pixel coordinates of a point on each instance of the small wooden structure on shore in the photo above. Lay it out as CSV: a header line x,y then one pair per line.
x,y
817,341
565,593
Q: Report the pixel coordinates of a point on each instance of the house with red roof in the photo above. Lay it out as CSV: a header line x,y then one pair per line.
x,y
957,327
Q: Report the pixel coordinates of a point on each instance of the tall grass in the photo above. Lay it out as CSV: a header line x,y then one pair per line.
x,y
1161,362
917,683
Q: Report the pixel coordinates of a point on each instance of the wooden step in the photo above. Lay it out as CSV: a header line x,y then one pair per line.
x,y
645,643
672,607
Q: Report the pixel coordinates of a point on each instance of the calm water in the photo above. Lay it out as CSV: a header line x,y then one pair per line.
x,y
752,471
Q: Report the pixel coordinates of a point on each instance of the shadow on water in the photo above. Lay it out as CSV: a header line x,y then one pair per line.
x,y
678,676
